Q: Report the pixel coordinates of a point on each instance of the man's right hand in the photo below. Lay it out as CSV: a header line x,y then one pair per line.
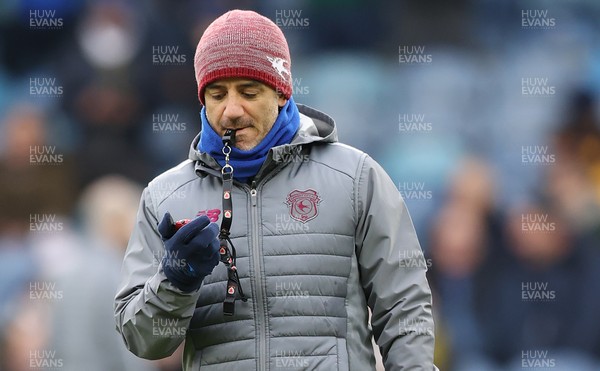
x,y
191,253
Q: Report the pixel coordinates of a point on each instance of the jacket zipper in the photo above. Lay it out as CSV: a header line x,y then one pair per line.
x,y
260,294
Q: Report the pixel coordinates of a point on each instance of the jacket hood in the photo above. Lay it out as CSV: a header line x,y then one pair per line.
x,y
315,127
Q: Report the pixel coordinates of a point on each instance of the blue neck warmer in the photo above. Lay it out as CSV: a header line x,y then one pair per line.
x,y
247,163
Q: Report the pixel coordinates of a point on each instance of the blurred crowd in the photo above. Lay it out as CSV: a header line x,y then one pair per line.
x,y
517,286
90,111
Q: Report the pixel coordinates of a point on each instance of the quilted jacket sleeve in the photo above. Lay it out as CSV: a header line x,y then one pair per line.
x,y
392,269
152,315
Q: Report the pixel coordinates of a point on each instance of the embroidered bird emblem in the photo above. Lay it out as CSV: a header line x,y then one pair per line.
x,y
277,64
302,206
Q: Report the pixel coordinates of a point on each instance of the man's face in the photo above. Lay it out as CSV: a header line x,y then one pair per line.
x,y
244,105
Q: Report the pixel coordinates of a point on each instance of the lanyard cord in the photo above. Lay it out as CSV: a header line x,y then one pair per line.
x,y
228,256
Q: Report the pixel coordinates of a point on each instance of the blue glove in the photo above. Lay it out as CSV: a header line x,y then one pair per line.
x,y
191,253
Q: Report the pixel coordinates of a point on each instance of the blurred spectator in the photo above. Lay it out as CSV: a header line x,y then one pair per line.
x,y
109,34
108,112
544,298
457,249
17,268
472,184
82,326
103,74
35,176
572,194
58,311
574,182
26,336
462,237
579,138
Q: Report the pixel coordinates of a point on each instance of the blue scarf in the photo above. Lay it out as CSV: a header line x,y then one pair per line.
x,y
247,163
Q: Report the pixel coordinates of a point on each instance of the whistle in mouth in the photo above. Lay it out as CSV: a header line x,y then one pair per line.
x,y
229,136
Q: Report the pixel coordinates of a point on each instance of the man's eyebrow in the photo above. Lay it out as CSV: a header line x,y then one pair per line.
x,y
214,85
246,84
250,84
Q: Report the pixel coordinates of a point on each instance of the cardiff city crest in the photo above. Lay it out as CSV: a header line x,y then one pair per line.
x,y
303,204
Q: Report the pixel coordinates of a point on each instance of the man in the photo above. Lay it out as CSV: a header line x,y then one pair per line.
x,y
312,233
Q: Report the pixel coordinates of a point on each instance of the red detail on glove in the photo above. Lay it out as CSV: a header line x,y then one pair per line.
x,y
181,223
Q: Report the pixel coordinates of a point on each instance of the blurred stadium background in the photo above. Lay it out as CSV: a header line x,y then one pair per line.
x,y
485,113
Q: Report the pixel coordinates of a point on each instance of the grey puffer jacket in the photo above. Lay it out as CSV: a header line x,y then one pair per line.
x,y
321,234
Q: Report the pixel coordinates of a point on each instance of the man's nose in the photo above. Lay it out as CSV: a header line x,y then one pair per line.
x,y
233,107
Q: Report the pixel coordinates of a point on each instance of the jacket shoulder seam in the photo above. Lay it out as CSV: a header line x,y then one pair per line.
x,y
356,153
357,190
174,190
157,201
332,168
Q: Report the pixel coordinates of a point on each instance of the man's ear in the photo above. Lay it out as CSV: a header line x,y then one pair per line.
x,y
281,100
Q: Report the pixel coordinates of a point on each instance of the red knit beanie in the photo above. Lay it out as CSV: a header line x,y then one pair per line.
x,y
242,43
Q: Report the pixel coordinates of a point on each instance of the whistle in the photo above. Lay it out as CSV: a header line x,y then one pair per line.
x,y
229,137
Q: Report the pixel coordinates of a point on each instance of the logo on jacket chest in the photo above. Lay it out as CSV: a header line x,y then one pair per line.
x,y
303,204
